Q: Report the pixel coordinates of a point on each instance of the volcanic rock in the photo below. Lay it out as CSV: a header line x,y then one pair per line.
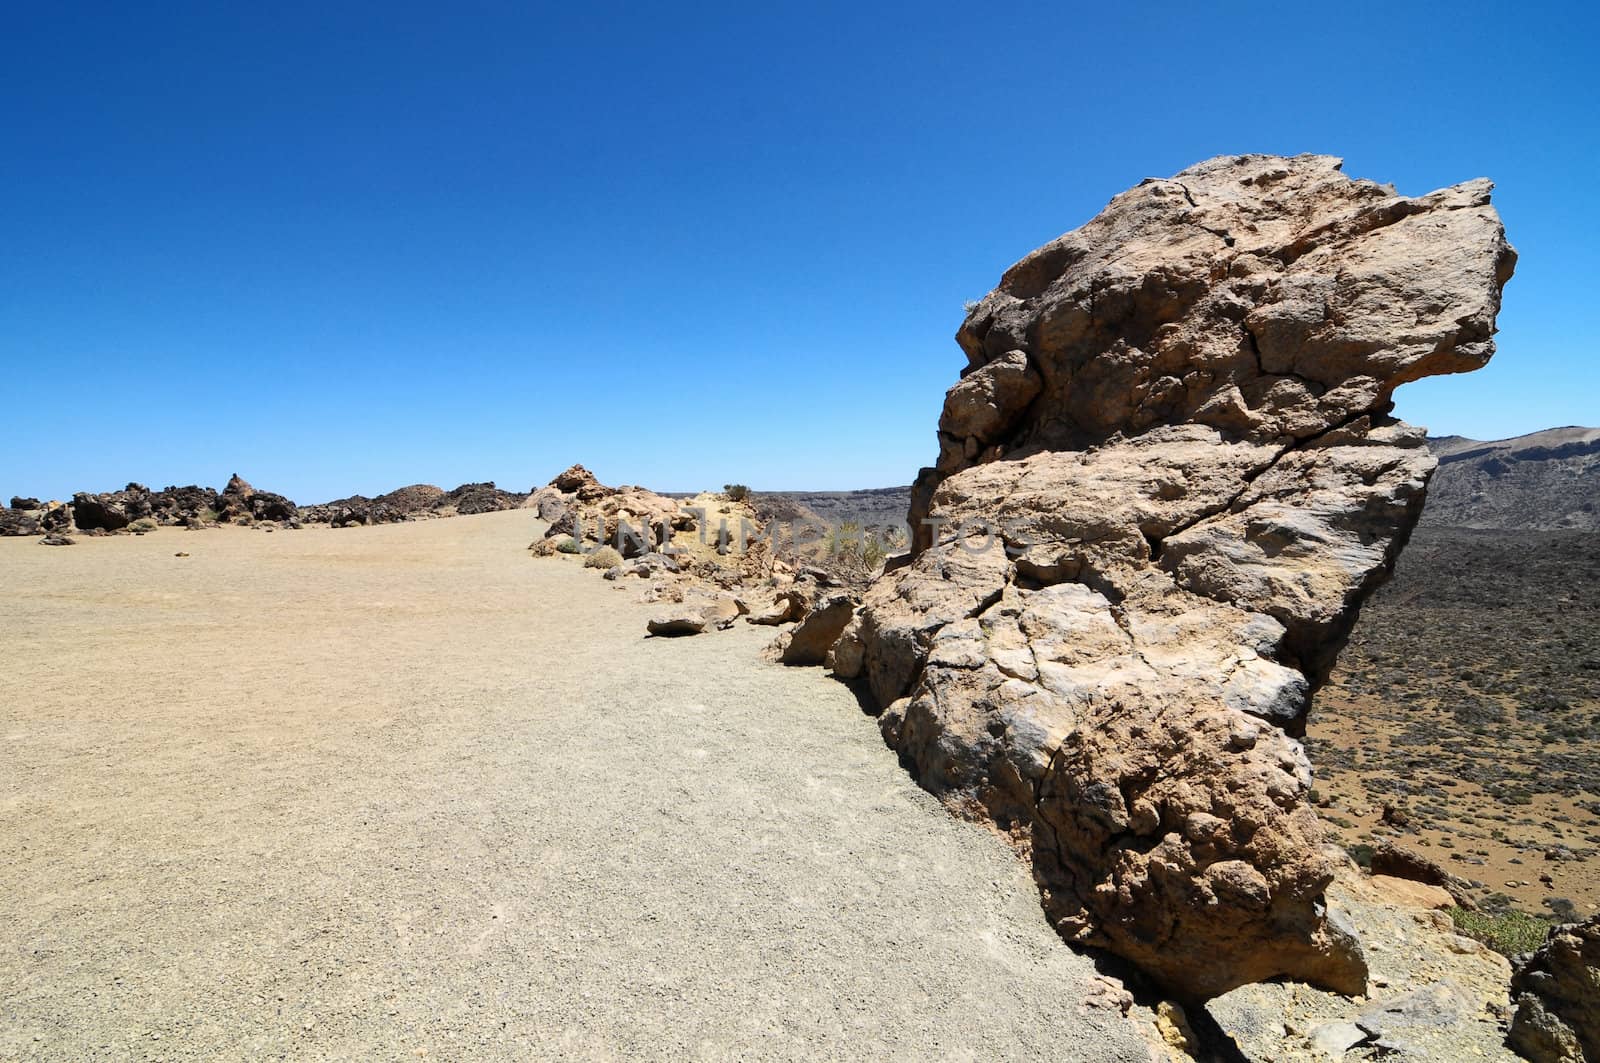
x,y
631,519
1557,996
478,498
1166,482
817,631
683,622
183,505
17,502
239,502
1398,862
15,521
113,510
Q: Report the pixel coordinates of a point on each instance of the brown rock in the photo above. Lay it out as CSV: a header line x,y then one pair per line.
x,y
1556,991
685,622
1128,577
817,631
1396,862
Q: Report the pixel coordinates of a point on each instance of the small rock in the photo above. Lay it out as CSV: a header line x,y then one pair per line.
x,y
1337,1038
677,624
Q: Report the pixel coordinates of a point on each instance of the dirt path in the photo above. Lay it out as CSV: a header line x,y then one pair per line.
x,y
380,792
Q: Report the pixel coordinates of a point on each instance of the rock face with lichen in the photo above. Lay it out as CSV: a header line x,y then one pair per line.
x,y
1167,479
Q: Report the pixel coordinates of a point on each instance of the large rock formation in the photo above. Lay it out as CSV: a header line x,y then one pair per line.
x,y
1166,481
242,503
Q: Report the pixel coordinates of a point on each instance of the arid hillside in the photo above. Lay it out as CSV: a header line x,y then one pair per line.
x,y
1468,699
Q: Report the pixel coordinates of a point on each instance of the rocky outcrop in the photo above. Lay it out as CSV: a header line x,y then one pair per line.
x,y
413,502
632,519
241,503
1166,481
478,498
1557,996
17,521
111,511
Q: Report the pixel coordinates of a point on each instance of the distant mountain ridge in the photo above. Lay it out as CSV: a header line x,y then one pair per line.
x,y
1547,480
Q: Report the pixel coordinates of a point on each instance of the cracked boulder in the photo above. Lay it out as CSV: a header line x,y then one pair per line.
x,y
1166,482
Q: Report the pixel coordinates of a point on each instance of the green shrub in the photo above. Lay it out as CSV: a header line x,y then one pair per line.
x,y
605,557
736,492
143,524
1361,853
1508,932
569,546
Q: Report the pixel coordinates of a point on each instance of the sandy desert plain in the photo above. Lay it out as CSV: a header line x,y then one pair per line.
x,y
401,791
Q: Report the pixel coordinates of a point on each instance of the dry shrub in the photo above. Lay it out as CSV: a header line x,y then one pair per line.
x,y
605,557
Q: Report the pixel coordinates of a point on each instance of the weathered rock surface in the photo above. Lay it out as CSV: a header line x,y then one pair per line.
x,y
678,622
111,511
1399,862
239,502
1557,997
17,521
817,631
1433,995
631,519
1166,482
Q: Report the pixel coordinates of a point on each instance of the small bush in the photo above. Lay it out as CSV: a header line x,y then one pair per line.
x,y
1508,932
736,492
605,557
1361,853
143,524
569,545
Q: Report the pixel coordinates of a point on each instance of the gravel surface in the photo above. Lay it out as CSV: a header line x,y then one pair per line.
x,y
401,791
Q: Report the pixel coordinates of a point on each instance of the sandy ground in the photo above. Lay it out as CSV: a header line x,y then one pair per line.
x,y
1478,838
403,791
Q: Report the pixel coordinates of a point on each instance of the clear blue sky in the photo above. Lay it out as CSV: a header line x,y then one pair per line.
x,y
340,247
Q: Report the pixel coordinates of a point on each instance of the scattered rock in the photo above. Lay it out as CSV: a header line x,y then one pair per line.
x,y
1337,1038
630,519
687,622
1395,816
56,540
1124,587
18,502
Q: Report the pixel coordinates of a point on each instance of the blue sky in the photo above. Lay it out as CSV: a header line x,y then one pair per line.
x,y
340,248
